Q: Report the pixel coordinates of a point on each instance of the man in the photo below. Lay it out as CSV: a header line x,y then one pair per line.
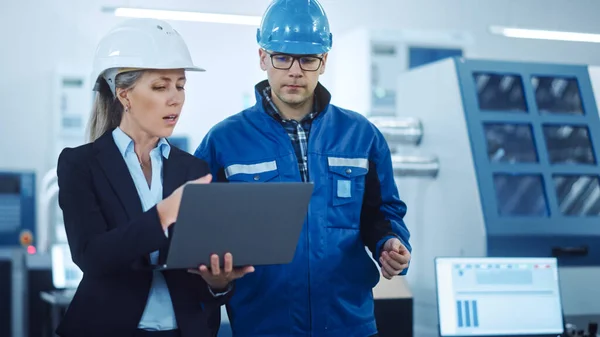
x,y
293,133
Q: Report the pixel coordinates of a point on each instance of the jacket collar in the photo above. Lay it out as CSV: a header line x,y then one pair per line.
x,y
112,163
322,95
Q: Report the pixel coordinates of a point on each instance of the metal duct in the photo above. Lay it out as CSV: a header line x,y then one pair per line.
x,y
398,131
415,166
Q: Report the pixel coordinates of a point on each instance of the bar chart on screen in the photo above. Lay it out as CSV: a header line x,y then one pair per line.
x,y
466,311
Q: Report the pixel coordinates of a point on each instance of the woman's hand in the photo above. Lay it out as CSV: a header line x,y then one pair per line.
x,y
169,207
217,278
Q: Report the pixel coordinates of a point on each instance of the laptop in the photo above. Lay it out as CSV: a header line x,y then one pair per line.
x,y
259,224
487,296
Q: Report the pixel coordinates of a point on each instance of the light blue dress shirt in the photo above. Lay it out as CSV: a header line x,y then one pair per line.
x,y
158,314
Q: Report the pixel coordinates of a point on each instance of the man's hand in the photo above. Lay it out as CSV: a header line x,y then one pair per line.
x,y
394,258
218,279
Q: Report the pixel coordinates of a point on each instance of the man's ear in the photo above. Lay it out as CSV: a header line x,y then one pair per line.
x,y
323,64
263,59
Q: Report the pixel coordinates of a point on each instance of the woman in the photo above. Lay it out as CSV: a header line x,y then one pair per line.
x,y
112,190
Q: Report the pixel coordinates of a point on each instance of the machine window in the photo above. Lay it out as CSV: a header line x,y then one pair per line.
x,y
578,195
557,95
568,144
520,195
10,184
510,143
10,203
500,92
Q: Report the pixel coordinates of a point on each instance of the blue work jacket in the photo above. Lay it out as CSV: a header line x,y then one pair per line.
x,y
327,289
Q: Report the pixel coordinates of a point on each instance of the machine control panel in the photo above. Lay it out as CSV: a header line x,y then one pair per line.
x,y
17,208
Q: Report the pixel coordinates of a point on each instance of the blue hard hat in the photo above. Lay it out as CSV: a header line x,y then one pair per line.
x,y
295,27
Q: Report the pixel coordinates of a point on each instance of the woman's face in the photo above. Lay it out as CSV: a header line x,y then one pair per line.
x,y
155,101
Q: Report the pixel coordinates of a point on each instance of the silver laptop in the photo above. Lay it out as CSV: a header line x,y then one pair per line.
x,y
258,223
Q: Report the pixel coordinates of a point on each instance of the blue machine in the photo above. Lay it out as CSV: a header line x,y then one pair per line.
x,y
518,145
17,208
418,56
17,228
180,142
535,138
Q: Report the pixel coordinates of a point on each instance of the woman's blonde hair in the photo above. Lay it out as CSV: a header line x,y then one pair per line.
x,y
108,110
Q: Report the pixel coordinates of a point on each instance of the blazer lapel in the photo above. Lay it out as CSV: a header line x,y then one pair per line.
x,y
117,173
174,175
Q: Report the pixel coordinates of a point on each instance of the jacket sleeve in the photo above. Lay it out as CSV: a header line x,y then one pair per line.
x,y
208,297
222,297
94,248
382,215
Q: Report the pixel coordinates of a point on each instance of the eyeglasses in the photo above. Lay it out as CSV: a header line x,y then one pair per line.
x,y
285,61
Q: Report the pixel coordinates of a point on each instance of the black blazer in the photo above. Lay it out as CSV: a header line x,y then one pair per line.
x,y
110,239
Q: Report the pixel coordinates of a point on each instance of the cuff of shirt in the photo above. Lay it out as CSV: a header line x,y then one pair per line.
x,y
220,293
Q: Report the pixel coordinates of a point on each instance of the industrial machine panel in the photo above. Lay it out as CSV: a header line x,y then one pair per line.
x,y
535,135
17,208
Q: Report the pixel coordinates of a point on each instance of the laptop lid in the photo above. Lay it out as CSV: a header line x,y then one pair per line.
x,y
259,224
498,297
65,273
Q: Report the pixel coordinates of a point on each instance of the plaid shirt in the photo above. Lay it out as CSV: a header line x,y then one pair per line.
x,y
298,131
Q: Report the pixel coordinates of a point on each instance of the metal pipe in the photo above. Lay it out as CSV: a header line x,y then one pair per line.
x,y
19,293
49,178
47,226
415,166
398,131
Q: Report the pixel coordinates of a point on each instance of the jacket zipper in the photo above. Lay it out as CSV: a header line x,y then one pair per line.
x,y
307,217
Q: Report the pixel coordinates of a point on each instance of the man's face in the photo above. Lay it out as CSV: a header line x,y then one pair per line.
x,y
296,85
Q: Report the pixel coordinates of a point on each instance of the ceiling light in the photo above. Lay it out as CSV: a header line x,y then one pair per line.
x,y
185,16
545,34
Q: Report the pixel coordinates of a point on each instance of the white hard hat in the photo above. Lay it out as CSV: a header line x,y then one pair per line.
x,y
140,44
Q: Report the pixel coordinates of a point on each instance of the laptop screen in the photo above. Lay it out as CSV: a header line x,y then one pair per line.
x,y
498,296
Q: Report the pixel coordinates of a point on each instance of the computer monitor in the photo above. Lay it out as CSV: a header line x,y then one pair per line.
x,y
498,297
65,273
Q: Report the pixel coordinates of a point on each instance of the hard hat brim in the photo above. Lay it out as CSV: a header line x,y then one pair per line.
x,y
298,48
194,68
103,75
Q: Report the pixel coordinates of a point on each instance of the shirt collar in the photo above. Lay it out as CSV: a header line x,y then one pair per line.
x,y
125,143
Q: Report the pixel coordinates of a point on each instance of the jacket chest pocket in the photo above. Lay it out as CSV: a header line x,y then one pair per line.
x,y
348,179
258,172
